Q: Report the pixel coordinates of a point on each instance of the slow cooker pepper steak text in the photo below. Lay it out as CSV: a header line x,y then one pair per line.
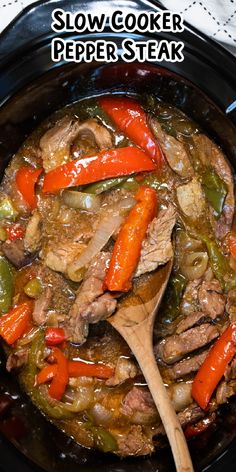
x,y
96,199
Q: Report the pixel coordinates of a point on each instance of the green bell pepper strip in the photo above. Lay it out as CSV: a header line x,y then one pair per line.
x,y
7,209
149,181
215,190
103,439
3,234
104,185
6,285
52,408
33,288
173,296
219,264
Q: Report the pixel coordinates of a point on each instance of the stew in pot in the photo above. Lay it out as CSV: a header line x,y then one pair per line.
x,y
96,199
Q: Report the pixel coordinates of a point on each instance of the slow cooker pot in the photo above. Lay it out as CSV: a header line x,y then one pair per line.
x,y
31,88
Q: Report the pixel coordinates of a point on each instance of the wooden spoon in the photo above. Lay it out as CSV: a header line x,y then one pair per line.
x,y
134,320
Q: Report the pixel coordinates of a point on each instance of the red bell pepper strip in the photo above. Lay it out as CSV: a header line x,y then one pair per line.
x,y
14,232
54,336
16,322
130,117
61,377
26,178
213,368
76,369
193,430
46,374
106,164
232,244
79,369
128,244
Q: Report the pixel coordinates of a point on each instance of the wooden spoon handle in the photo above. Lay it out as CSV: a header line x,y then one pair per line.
x,y
142,348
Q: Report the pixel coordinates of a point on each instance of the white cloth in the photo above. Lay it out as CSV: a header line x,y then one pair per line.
x,y
216,18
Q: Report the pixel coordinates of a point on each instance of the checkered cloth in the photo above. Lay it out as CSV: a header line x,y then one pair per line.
x,y
216,18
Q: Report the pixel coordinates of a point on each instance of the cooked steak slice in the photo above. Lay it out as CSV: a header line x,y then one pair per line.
x,y
175,152
59,257
100,309
16,254
174,348
211,155
125,369
134,443
203,296
41,306
230,372
32,237
100,134
137,399
225,390
191,199
55,143
91,305
17,359
231,305
190,415
191,320
157,248
186,366
211,298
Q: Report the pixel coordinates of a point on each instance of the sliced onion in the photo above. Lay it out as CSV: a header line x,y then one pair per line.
x,y
81,201
101,415
122,206
107,226
180,395
194,265
27,338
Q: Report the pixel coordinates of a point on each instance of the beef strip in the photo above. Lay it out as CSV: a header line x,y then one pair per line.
x,y
201,301
41,306
191,199
134,443
125,369
55,143
190,415
210,155
139,407
225,390
175,152
100,134
17,359
230,372
186,366
100,309
32,237
175,347
211,302
231,305
16,254
90,291
211,298
191,320
157,248
59,257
